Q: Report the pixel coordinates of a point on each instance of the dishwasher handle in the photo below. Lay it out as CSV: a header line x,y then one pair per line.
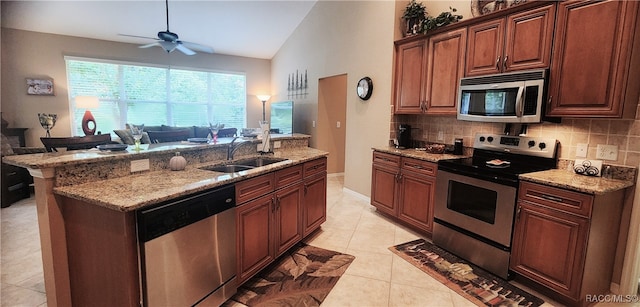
x,y
172,215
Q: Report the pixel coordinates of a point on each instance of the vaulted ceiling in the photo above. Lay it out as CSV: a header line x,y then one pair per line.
x,y
235,27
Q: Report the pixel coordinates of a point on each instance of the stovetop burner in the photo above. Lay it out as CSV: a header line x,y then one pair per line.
x,y
500,157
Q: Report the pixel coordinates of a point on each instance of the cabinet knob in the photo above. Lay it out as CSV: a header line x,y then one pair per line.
x,y
498,63
504,62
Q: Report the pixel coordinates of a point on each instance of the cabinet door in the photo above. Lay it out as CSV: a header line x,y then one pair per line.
x,y
485,45
314,203
528,39
383,188
416,200
288,218
445,67
549,247
254,232
590,60
410,63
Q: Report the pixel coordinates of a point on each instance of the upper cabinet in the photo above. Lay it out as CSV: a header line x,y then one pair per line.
x,y
409,76
445,67
596,56
516,42
427,73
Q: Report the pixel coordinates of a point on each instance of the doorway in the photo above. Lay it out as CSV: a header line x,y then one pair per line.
x,y
332,120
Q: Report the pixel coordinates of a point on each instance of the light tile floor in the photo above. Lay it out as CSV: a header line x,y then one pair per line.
x,y
377,277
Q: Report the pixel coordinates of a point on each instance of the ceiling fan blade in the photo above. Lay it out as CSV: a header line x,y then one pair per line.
x,y
184,49
145,37
198,47
149,45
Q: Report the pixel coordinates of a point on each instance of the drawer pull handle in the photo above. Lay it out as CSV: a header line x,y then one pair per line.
x,y
417,166
552,198
11,174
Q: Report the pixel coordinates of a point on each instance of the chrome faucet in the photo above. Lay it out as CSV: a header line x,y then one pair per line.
x,y
231,150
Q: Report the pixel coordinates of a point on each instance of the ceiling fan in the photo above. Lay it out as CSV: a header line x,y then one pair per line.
x,y
169,41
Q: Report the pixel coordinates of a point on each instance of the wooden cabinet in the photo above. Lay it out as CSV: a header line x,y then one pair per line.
x,y
403,188
15,180
315,195
275,211
595,64
409,77
517,42
445,67
565,240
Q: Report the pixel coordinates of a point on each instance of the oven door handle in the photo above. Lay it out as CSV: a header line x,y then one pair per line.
x,y
495,179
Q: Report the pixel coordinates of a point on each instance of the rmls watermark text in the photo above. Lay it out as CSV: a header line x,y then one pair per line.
x,y
612,298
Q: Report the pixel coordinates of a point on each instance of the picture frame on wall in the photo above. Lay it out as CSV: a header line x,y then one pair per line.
x,y
40,86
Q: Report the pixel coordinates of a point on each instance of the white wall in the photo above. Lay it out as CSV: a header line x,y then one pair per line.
x,y
352,37
28,54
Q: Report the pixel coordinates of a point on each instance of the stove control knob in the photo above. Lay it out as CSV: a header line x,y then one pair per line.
x,y
490,139
532,143
481,139
542,145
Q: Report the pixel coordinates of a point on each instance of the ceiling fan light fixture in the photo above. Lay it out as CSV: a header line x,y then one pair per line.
x,y
167,46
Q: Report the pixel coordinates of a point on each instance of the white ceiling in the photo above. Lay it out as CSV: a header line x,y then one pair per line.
x,y
254,29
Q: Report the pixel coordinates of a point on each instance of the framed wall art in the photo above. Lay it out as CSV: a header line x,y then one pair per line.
x,y
40,86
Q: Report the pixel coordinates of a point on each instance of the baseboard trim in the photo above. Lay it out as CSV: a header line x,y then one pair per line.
x,y
335,175
356,194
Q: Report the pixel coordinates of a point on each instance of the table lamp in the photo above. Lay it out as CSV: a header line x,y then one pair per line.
x,y
264,99
87,102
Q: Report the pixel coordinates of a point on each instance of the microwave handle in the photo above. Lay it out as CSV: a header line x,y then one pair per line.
x,y
520,102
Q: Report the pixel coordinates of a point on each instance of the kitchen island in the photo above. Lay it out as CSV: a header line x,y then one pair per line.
x,y
87,200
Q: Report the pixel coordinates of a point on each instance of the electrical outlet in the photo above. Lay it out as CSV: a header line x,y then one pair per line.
x,y
277,144
337,124
139,165
581,150
313,123
607,152
440,136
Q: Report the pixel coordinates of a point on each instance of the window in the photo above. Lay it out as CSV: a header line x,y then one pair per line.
x,y
154,95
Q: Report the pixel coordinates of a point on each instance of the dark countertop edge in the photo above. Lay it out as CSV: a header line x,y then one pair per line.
x,y
613,184
417,154
71,191
127,155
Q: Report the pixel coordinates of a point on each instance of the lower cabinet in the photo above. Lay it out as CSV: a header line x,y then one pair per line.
x,y
566,241
288,209
403,188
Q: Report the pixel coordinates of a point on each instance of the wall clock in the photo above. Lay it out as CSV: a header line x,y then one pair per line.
x,y
365,88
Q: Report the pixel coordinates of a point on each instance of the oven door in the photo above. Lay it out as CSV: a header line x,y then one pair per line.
x,y
481,207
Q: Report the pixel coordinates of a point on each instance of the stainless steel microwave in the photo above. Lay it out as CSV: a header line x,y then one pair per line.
x,y
503,98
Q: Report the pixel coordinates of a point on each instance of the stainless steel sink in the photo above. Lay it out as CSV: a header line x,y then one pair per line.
x,y
259,161
228,168
243,165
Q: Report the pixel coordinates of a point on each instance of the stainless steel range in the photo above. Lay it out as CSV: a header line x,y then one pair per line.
x,y
475,197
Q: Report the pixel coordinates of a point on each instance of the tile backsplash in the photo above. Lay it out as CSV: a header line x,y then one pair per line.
x,y
570,132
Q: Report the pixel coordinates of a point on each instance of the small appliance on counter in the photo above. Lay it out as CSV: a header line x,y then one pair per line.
x,y
404,136
457,146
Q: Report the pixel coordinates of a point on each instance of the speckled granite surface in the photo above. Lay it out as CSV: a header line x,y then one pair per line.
x,y
569,180
417,154
72,158
139,190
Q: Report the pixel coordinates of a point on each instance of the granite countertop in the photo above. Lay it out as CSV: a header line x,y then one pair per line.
x,y
76,157
140,190
418,154
569,180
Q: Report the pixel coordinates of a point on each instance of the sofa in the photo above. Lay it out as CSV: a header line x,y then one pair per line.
x,y
192,132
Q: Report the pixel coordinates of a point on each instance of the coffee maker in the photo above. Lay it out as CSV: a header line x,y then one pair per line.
x,y
404,136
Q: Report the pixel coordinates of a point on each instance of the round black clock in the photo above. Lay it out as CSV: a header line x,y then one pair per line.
x,y
365,88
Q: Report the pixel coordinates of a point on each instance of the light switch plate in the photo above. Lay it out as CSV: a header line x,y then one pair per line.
x,y
581,150
277,144
139,165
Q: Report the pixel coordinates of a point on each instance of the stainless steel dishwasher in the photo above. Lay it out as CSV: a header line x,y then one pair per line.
x,y
188,250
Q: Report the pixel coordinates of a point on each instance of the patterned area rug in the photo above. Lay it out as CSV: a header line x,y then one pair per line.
x,y
473,283
302,277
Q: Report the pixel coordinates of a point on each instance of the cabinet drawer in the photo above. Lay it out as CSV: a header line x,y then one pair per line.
x,y
315,167
288,176
386,159
255,187
419,166
561,199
